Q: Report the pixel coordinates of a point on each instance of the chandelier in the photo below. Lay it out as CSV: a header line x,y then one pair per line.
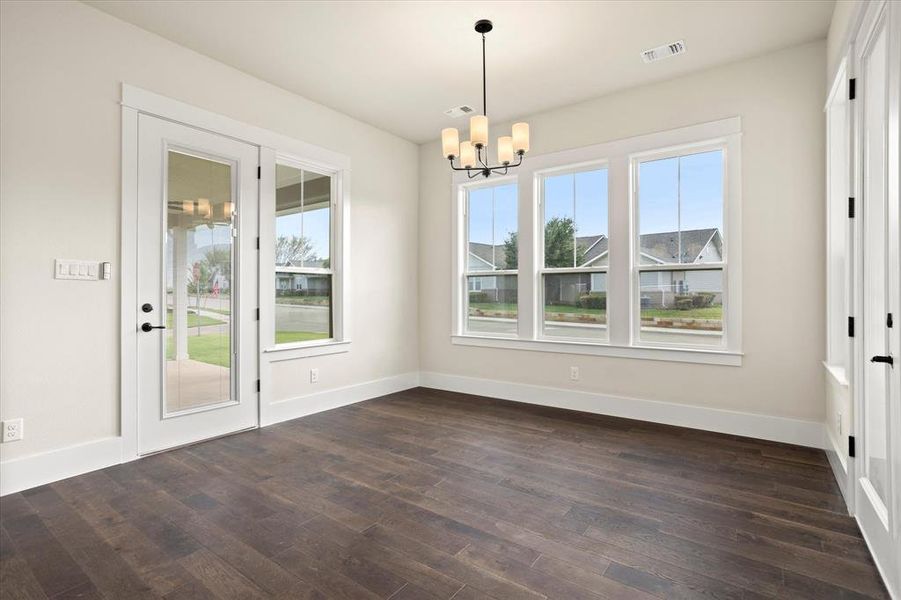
x,y
472,155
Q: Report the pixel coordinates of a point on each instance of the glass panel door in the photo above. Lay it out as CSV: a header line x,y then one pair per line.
x,y
199,258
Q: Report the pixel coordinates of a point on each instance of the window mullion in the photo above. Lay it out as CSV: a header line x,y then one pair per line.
x,y
619,277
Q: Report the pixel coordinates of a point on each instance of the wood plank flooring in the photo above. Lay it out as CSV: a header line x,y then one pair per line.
x,y
427,494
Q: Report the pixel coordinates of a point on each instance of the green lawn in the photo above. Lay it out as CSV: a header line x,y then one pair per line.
x,y
709,312
287,337
211,348
303,300
194,320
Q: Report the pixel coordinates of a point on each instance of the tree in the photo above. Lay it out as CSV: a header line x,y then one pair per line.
x,y
511,251
559,237
217,261
294,249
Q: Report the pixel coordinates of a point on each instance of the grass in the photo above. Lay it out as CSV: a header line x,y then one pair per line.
x,y
709,312
194,320
211,348
287,337
303,300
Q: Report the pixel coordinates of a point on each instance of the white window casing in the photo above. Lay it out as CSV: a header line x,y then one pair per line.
x,y
624,263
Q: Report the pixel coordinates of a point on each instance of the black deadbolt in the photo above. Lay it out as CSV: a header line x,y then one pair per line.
x,y
147,307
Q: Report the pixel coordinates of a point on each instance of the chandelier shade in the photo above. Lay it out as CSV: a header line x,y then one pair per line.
x,y
472,154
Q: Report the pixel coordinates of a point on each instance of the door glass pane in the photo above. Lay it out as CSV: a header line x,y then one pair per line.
x,y
876,383
198,279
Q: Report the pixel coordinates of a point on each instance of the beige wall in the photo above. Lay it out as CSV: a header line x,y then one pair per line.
x,y
843,15
62,65
780,98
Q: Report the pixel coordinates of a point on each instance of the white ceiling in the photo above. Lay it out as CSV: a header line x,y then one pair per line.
x,y
399,65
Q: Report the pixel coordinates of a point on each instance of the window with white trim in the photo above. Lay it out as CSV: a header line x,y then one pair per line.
x,y
628,248
575,253
680,251
491,259
304,299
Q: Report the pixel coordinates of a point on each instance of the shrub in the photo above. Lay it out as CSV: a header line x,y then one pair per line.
x,y
684,302
478,297
596,301
702,299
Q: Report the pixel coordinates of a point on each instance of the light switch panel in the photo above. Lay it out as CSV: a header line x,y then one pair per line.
x,y
85,270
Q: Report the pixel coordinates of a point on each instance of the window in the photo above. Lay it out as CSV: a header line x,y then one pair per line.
x,y
629,248
680,249
575,254
303,244
491,247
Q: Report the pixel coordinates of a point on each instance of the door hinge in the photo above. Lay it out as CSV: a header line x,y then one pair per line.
x,y
851,451
258,243
852,88
258,385
259,172
850,326
851,208
889,322
257,314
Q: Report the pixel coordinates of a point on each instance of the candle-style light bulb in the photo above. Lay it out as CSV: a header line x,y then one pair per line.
x,y
505,150
478,130
450,142
467,154
521,138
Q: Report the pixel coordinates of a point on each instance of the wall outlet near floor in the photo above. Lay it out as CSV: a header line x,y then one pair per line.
x,y
13,430
314,375
574,373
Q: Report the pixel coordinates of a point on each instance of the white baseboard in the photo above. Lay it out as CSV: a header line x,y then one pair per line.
x,y
285,410
765,427
840,469
39,469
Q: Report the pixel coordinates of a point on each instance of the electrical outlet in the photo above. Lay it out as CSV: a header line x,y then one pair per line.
x,y
13,430
314,375
574,373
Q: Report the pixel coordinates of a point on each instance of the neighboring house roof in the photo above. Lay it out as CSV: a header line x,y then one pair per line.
x,y
658,247
496,259
316,263
665,247
662,247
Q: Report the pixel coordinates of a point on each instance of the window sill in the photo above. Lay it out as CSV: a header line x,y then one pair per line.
x,y
700,356
837,373
294,351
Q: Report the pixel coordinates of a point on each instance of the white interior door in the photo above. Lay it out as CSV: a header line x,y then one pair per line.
x,y
197,285
879,416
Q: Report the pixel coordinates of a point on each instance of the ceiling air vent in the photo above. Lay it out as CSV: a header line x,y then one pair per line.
x,y
661,52
459,111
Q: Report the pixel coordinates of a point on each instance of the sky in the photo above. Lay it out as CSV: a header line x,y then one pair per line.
x,y
315,228
694,181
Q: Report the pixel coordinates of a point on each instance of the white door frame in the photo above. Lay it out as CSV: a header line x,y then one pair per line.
x,y
137,101
888,559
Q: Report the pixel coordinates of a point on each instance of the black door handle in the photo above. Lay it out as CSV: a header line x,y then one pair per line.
x,y
149,327
883,359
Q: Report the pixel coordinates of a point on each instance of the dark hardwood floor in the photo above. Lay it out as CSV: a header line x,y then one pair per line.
x,y
428,494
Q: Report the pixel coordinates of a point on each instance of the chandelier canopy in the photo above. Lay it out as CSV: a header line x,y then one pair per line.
x,y
472,155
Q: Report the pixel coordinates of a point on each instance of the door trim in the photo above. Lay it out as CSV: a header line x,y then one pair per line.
x,y
136,101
